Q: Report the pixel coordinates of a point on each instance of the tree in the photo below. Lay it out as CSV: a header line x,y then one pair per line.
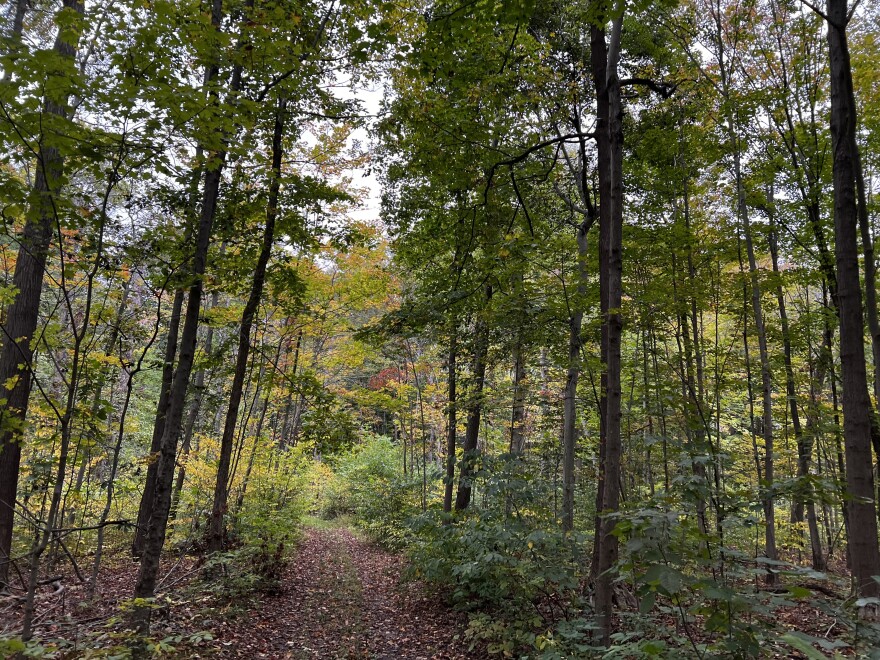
x,y
864,549
16,358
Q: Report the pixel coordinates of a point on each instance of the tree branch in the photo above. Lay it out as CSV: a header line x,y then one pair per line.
x,y
663,89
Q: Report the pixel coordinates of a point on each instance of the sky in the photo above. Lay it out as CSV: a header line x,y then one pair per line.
x,y
371,100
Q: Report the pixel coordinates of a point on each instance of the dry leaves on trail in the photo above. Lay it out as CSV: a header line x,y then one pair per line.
x,y
341,598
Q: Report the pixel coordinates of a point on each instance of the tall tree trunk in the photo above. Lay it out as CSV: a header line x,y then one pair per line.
x,y
702,434
804,441
192,417
599,66
870,293
146,503
518,409
216,526
694,365
725,66
870,267
451,419
750,393
569,411
826,360
286,428
864,550
22,315
171,342
610,132
764,357
161,504
239,501
474,407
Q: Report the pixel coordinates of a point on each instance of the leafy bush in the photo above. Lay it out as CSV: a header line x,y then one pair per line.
x,y
276,499
246,570
677,571
507,562
264,525
369,485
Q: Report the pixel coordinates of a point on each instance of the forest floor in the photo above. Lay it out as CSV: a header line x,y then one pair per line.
x,y
341,597
338,597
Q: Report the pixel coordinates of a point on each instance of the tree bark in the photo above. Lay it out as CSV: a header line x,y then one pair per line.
x,y
474,408
863,545
605,74
518,409
216,526
22,315
158,523
192,418
803,441
451,420
569,411
146,504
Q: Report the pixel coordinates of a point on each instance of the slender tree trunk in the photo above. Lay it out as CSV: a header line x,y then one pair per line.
x,y
157,527
518,410
870,268
22,315
221,489
702,434
191,419
569,411
803,440
257,432
146,504
599,66
764,358
756,454
870,294
838,467
605,74
733,128
451,419
286,430
474,408
863,545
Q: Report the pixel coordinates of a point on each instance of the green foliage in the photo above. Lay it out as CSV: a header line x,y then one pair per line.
x,y
245,571
508,563
369,484
110,642
275,502
328,425
263,530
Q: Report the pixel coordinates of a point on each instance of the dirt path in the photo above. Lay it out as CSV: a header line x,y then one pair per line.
x,y
341,598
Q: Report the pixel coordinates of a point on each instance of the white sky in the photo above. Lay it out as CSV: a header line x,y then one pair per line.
x,y
371,99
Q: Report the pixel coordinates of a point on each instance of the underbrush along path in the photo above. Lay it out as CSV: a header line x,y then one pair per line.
x,y
341,597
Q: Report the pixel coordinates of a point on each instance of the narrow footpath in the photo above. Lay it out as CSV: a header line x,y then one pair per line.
x,y
342,598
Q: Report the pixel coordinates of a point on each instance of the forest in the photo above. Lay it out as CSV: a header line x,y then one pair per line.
x,y
439,329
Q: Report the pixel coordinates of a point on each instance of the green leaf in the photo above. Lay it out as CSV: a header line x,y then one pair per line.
x,y
799,644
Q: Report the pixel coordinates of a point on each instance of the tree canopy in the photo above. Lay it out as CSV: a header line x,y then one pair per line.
x,y
570,305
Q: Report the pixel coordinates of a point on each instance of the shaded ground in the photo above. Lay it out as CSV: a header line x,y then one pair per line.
x,y
341,598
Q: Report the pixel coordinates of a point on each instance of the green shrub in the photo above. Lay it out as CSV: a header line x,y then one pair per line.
x,y
265,525
276,500
369,485
507,563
